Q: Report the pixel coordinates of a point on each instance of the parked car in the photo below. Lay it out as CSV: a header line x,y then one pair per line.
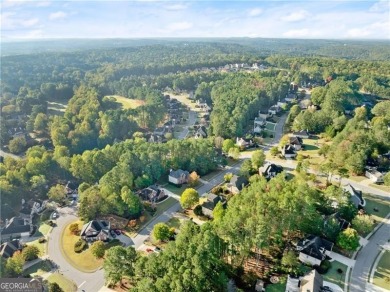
x,y
149,250
112,233
117,231
55,215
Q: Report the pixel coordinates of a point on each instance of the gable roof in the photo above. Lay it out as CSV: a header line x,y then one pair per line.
x,y
288,149
7,249
356,195
238,181
178,173
294,140
314,246
94,227
312,282
16,225
301,133
269,168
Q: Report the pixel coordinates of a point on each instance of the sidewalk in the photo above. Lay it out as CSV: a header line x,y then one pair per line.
x,y
342,259
33,262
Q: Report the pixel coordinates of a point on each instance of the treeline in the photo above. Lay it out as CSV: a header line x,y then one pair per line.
x,y
238,99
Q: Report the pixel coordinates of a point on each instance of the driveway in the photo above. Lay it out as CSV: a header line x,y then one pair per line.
x,y
190,122
366,258
90,282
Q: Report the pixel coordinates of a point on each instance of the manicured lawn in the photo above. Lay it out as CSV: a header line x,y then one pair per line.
x,y
357,178
174,222
381,187
128,103
382,273
38,269
270,127
279,287
333,276
40,246
84,261
210,175
381,205
66,284
178,191
44,228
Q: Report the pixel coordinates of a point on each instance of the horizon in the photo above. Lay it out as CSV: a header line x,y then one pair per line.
x,y
311,20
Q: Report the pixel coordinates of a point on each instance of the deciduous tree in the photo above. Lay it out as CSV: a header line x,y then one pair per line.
x,y
189,198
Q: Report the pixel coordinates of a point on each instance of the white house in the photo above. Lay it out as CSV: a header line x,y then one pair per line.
x,y
258,124
374,175
178,177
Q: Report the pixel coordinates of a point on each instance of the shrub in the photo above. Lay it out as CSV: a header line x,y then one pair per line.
x,y
198,210
80,245
74,228
30,252
98,249
324,267
42,240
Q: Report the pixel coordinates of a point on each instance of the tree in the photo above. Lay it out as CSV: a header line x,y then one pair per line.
x,y
348,211
30,252
40,123
133,203
218,212
332,229
284,141
119,262
54,287
363,224
274,151
290,261
98,249
227,145
161,232
246,168
234,153
228,176
189,198
258,158
17,145
193,179
14,265
74,228
386,179
57,193
348,239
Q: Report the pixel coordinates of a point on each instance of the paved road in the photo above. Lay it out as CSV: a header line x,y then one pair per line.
x,y
139,239
6,154
90,282
190,122
366,257
279,129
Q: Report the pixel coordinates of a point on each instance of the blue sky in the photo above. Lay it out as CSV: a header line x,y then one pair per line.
x,y
138,19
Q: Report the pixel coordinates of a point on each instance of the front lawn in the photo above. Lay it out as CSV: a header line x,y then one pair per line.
x,y
83,261
38,269
382,273
278,287
179,190
174,222
381,187
381,206
66,284
40,246
333,276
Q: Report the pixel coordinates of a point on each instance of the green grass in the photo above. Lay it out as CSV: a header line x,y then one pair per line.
x,y
278,287
270,127
38,269
357,178
174,222
382,273
178,191
40,246
128,103
333,276
381,187
382,205
83,261
66,284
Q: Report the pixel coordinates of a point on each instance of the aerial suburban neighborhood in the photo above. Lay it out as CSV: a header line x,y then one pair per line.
x,y
194,164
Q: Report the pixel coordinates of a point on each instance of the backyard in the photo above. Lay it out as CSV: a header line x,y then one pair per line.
x,y
84,261
334,276
382,273
66,284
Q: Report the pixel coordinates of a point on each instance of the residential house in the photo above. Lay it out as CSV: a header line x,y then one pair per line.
x,y
160,131
16,227
313,249
296,142
356,196
303,134
311,282
270,170
71,189
273,110
293,87
374,175
237,183
30,208
211,203
200,132
7,249
343,224
178,177
244,143
291,97
96,230
152,194
155,139
288,151
281,103
259,123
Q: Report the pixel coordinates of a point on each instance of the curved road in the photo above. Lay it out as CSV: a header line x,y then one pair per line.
x,y
366,258
90,282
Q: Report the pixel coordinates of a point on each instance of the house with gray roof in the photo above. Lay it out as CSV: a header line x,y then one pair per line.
x,y
212,201
178,177
356,196
7,249
16,227
237,183
314,249
96,230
